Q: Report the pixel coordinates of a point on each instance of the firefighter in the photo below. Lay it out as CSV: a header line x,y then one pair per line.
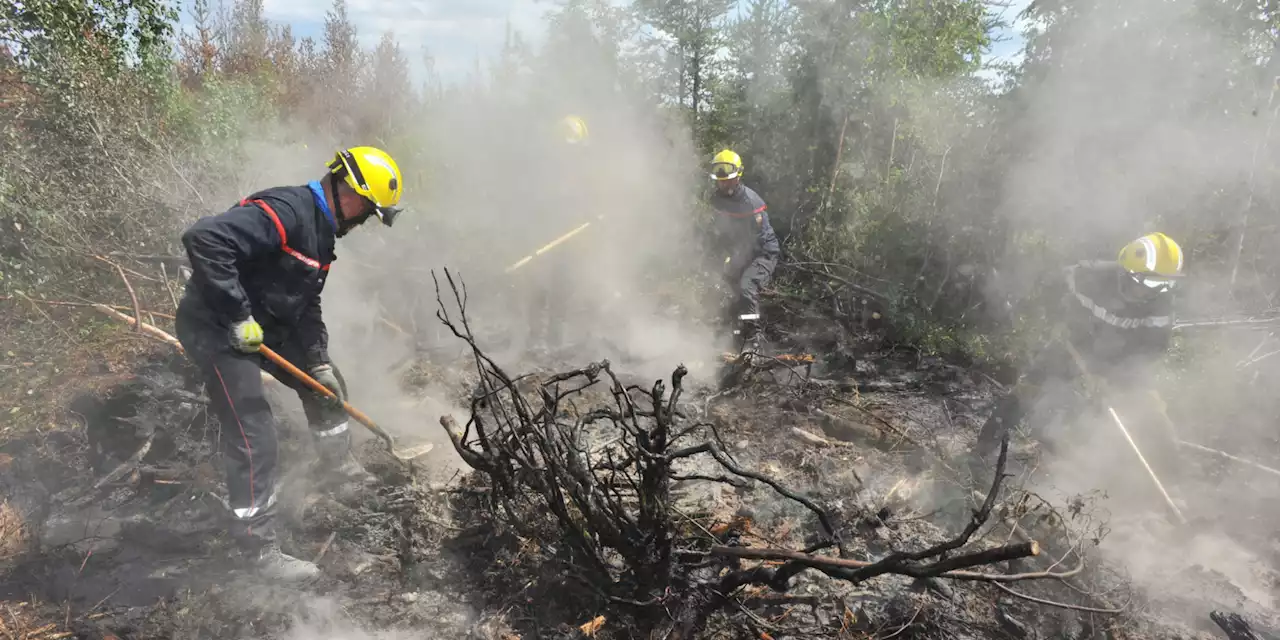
x,y
1117,315
741,233
557,198
257,273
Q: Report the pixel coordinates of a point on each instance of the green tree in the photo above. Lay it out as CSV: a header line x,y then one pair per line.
x,y
695,29
389,94
339,79
248,36
199,51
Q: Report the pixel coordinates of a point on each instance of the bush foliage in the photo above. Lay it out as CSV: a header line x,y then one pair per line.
x,y
890,149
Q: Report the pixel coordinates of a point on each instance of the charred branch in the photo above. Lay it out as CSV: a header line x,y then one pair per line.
x,y
592,485
597,484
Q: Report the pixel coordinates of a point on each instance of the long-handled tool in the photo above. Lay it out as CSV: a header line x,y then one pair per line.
x,y
1224,454
1084,370
550,245
401,454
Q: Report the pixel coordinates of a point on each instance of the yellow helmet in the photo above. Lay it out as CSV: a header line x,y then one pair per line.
x,y
1154,260
574,129
726,165
372,173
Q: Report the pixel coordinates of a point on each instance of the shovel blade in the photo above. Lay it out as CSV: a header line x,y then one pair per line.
x,y
410,453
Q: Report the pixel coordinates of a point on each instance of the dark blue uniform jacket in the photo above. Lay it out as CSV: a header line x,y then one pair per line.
x,y
741,229
267,256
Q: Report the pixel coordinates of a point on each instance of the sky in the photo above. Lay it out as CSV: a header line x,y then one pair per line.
x,y
457,33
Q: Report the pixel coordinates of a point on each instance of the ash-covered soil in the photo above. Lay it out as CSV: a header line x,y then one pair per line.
x,y
877,440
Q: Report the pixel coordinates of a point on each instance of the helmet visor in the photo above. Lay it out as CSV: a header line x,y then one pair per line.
x,y
387,215
1155,282
724,171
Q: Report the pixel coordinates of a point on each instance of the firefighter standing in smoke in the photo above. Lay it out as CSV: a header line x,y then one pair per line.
x,y
561,205
257,273
742,234
1118,315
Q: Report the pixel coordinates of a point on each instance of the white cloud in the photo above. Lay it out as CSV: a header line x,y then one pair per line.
x,y
455,32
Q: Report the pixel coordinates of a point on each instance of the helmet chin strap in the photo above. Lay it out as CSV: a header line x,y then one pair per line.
x,y
344,225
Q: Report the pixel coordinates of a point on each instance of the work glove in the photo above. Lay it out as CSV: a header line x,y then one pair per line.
x,y
246,335
323,373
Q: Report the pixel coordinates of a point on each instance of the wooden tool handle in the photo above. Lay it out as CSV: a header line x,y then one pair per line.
x,y
316,386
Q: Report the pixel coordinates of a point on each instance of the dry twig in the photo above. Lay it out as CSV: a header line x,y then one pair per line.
x,y
1060,605
142,326
164,274
61,303
137,309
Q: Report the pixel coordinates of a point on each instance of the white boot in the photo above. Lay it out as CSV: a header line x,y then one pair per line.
x,y
273,564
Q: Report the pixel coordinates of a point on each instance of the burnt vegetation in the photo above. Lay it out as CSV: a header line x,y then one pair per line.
x,y
588,481
925,194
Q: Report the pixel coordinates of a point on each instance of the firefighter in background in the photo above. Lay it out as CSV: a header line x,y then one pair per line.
x,y
257,273
562,209
742,236
1117,316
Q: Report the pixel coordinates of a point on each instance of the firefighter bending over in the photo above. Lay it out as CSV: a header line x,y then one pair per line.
x,y
257,273
561,207
1117,315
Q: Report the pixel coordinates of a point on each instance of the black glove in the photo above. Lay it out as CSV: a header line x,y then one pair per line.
x,y
326,375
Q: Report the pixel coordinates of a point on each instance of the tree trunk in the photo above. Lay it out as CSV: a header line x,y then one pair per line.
x,y
696,77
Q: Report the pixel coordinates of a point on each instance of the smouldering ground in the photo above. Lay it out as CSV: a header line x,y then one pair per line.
x,y
878,445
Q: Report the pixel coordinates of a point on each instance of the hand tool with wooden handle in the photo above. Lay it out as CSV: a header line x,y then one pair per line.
x,y
1115,417
550,245
401,454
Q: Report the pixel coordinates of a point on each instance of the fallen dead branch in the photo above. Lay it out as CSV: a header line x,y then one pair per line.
x,y
1061,605
324,548
159,334
850,430
950,568
1234,625
812,438
76,498
925,563
62,303
13,532
142,326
